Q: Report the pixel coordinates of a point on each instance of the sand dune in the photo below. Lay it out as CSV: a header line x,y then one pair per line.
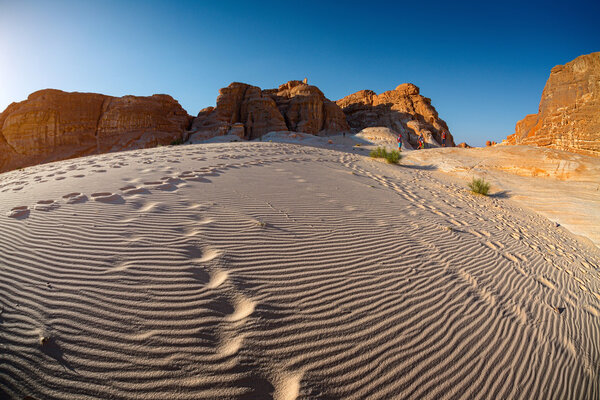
x,y
562,186
269,270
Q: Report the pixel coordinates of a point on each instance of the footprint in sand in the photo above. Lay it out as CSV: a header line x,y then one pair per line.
x,y
198,179
546,282
19,212
167,187
140,190
217,278
208,255
75,197
287,386
107,197
46,205
242,308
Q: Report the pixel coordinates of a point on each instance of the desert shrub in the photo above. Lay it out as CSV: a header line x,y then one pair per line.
x,y
177,142
391,157
479,186
379,152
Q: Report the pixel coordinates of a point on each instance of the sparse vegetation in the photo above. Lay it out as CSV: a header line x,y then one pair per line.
x,y
177,142
479,186
392,157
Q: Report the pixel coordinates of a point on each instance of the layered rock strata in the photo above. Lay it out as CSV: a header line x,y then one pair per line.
x,y
569,111
54,125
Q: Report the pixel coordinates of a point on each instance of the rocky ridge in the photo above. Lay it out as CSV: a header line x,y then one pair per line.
x,y
403,110
249,112
569,111
54,125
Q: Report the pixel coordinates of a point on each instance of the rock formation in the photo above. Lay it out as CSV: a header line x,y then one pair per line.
x,y
249,112
569,111
403,110
54,125
383,136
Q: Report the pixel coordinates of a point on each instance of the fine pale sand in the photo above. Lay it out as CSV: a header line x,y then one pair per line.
x,y
271,270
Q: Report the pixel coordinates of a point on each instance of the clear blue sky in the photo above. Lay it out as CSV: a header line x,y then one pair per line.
x,y
483,64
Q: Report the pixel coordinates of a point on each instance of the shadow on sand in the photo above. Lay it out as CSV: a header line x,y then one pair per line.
x,y
52,349
419,167
503,194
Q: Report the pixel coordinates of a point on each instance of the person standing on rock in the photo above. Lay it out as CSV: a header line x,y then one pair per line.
x,y
443,138
420,143
400,142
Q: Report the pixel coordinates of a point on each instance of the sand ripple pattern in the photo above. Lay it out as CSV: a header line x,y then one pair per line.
x,y
270,271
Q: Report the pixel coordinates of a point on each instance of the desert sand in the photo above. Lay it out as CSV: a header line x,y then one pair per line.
x,y
276,270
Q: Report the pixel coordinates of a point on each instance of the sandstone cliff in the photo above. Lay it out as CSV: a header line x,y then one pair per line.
x,y
403,110
249,112
55,125
569,111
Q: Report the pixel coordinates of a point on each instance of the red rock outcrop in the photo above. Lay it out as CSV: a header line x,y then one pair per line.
x,y
54,125
403,110
294,106
569,111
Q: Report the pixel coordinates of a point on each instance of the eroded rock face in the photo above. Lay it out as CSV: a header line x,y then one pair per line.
x,y
569,111
294,106
54,125
306,109
403,110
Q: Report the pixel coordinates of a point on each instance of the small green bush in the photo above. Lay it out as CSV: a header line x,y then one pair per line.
x,y
392,157
479,186
378,153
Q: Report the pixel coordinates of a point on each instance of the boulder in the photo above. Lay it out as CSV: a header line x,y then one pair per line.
x,y
294,106
569,113
54,125
403,110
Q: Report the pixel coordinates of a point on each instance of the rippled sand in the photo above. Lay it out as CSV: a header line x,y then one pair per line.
x,y
268,270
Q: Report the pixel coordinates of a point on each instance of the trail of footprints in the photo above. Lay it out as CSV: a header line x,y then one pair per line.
x,y
242,307
522,235
166,184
